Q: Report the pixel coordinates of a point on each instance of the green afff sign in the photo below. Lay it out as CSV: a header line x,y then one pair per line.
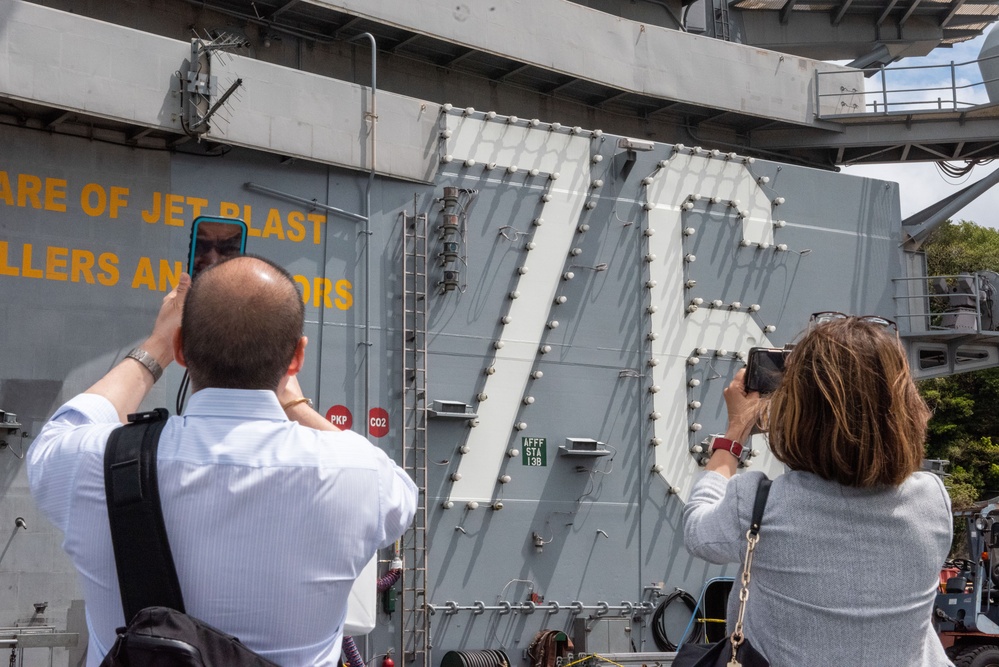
x,y
534,451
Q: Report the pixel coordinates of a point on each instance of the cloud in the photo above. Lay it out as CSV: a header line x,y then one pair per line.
x,y
924,184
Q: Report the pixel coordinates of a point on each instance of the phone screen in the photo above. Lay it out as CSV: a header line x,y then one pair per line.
x,y
765,368
213,240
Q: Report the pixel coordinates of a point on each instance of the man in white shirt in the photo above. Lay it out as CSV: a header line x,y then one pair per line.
x,y
270,510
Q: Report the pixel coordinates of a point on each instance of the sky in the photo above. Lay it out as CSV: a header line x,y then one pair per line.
x,y
923,184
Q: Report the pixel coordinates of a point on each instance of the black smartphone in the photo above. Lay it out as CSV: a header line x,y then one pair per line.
x,y
213,240
765,368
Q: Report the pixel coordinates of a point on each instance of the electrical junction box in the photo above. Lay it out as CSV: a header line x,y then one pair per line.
x,y
602,635
583,447
452,410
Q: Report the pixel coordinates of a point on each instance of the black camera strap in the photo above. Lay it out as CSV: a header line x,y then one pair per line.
x,y
146,573
760,504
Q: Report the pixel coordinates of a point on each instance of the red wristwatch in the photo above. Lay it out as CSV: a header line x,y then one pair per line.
x,y
734,448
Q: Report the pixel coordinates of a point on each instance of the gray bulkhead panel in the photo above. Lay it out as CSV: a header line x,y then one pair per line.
x,y
613,519
606,340
85,259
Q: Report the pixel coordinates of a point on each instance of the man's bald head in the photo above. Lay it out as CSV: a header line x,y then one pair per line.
x,y
242,321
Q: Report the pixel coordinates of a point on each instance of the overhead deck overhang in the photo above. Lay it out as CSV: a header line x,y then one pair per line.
x,y
562,60
562,50
854,29
972,134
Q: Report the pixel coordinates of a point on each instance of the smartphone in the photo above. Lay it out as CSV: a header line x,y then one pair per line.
x,y
213,240
765,368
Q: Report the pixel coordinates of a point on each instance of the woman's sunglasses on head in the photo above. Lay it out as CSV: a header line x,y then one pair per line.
x,y
831,315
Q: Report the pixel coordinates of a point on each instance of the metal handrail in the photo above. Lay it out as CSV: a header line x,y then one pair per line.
x,y
927,295
886,99
551,607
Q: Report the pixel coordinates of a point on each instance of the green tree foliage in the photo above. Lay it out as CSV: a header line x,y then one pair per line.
x,y
962,247
965,407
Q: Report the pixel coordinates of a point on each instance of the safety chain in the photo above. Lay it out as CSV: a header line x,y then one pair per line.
x,y
737,636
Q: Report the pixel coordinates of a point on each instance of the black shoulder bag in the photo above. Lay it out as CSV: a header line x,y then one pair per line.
x,y
159,633
735,650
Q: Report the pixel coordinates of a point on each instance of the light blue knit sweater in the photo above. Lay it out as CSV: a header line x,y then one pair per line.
x,y
842,577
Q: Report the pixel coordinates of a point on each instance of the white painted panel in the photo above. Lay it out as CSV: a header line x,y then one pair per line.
x,y
508,145
679,332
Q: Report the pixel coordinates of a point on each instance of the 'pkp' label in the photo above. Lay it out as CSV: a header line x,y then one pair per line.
x,y
339,416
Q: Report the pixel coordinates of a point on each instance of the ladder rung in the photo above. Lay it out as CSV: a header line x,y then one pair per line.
x,y
416,284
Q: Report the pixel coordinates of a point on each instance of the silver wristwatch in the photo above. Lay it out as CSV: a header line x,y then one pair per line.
x,y
147,360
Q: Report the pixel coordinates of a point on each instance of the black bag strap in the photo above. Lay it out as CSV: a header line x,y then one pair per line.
x,y
146,573
762,493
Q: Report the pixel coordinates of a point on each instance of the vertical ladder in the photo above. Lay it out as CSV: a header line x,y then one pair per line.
x,y
721,17
415,616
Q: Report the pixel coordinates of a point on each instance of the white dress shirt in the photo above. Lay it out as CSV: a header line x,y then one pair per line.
x,y
269,522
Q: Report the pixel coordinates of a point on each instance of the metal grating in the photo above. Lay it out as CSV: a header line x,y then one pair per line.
x,y
960,20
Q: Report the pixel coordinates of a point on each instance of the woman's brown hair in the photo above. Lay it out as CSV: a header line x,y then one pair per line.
x,y
847,409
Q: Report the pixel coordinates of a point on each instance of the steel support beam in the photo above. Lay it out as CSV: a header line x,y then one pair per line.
x,y
711,117
63,117
785,11
283,8
886,12
467,53
559,88
409,40
348,25
138,135
970,155
612,98
838,16
954,7
880,134
908,12
931,151
514,72
665,109
918,226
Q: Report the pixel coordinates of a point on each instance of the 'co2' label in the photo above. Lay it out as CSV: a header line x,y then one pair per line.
x,y
378,422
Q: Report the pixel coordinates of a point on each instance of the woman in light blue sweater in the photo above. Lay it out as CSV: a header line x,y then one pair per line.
x,y
854,535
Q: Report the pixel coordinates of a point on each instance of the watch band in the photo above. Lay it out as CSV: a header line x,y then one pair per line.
x,y
147,360
734,448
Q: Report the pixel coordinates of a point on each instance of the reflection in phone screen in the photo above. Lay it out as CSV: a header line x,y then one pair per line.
x,y
766,368
214,242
